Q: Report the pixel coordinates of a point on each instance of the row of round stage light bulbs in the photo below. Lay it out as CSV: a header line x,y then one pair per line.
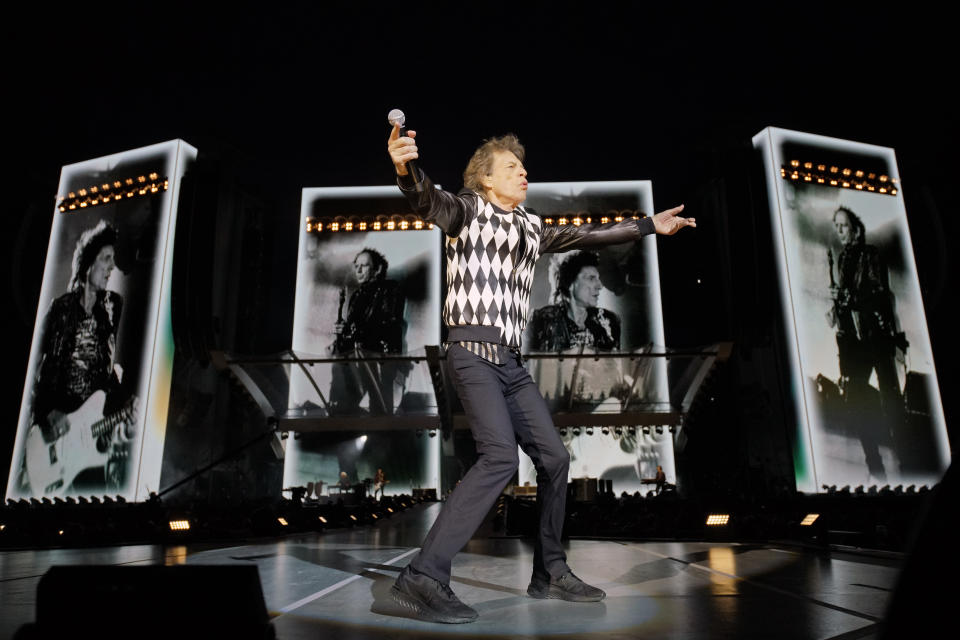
x,y
837,177
616,430
107,192
418,224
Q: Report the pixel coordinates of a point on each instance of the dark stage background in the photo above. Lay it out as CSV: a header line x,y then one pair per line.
x,y
295,95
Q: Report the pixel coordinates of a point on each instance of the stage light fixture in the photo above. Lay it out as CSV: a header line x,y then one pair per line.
x,y
283,521
589,431
809,519
605,431
179,525
718,519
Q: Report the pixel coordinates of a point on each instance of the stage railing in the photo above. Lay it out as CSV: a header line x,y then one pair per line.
x,y
299,393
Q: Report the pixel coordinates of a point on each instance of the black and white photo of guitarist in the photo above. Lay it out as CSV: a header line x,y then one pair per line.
x,y
83,420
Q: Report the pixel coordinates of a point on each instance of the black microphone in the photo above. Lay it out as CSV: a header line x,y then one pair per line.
x,y
396,117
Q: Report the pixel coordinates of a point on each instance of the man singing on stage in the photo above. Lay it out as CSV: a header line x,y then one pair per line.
x,y
492,245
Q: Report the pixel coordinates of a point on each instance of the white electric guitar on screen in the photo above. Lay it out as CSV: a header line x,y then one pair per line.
x,y
53,466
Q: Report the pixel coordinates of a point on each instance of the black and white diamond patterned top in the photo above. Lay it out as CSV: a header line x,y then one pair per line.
x,y
491,255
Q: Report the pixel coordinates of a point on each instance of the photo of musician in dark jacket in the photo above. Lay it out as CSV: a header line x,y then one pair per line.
x,y
867,335
575,319
373,325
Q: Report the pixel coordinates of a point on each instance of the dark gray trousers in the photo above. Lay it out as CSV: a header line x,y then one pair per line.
x,y
504,408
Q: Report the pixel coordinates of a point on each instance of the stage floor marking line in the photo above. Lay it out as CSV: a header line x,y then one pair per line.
x,y
319,594
768,587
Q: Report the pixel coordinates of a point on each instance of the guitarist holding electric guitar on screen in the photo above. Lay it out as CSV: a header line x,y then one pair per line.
x,y
83,421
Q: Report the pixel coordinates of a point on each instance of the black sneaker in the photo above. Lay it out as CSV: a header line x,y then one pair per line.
x,y
566,587
429,599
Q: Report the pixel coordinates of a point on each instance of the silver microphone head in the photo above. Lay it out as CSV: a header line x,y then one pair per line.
x,y
396,117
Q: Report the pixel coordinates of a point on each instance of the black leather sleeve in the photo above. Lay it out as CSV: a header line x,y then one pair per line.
x,y
557,239
449,212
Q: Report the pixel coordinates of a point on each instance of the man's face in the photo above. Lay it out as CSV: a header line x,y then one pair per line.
x,y
100,270
844,229
507,180
363,268
585,290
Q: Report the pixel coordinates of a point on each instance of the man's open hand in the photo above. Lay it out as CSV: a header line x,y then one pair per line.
x,y
668,222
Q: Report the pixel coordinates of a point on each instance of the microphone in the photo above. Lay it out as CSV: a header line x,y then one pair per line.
x,y
396,117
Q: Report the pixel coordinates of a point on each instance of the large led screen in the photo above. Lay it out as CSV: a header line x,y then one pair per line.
x,y
94,408
600,301
864,386
368,286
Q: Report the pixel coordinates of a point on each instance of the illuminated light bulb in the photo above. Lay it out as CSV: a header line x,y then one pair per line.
x,y
577,222
548,220
834,169
808,165
319,226
362,226
309,227
334,226
859,173
141,178
883,189
794,163
71,195
391,225
105,186
348,226
117,184
94,189
859,186
83,204
404,225
418,224
833,183
893,191
562,221
807,178
871,175
430,225
821,167
884,178
846,185
604,220
618,219
154,176
376,226
128,181
820,180
846,172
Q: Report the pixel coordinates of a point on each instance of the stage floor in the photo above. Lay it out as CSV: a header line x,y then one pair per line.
x,y
336,585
